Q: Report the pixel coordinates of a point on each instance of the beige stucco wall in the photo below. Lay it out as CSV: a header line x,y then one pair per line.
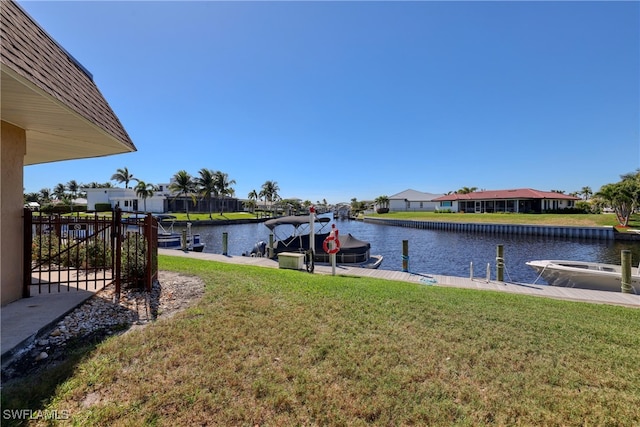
x,y
12,151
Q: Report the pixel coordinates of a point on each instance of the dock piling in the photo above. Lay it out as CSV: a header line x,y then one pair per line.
x,y
405,256
225,243
500,263
626,272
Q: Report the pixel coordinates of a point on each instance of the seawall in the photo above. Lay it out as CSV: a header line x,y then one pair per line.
x,y
599,233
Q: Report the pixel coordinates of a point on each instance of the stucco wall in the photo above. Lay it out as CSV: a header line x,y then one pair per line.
x,y
12,151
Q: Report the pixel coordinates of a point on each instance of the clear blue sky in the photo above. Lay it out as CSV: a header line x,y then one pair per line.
x,y
335,100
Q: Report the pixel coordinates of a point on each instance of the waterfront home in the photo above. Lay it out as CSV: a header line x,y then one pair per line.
x,y
51,111
162,201
412,200
523,200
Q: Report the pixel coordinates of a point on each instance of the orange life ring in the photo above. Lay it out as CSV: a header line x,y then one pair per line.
x,y
336,245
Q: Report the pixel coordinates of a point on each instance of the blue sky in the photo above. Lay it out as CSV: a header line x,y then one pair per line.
x,y
336,100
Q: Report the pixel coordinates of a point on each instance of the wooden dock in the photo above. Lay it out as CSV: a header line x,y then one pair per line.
x,y
572,294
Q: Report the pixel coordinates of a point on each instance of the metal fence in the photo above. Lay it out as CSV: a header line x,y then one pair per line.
x,y
89,252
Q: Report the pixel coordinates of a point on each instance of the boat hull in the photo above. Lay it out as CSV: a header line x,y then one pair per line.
x,y
584,275
174,241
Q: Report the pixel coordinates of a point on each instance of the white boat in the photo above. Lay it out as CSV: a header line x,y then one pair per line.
x,y
585,275
293,234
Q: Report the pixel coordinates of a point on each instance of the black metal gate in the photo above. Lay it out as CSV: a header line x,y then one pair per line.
x,y
89,252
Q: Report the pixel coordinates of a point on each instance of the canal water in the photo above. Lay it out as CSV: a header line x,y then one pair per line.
x,y
441,252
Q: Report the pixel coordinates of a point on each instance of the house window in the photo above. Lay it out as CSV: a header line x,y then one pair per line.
x,y
421,205
447,204
126,203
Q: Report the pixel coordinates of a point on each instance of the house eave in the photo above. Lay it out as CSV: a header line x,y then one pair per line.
x,y
54,131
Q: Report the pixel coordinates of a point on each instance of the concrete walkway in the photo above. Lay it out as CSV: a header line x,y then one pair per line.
x,y
572,294
24,319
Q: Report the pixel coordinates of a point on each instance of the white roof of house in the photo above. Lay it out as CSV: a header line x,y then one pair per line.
x,y
415,196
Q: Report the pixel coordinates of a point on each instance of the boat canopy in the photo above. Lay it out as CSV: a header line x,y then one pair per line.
x,y
295,220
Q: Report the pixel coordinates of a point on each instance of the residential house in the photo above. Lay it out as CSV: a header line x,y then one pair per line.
x,y
523,200
51,110
412,200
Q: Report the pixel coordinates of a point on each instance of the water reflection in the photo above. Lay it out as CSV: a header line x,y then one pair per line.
x,y
441,252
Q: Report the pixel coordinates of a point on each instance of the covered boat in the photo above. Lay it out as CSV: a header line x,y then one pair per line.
x,y
167,238
585,275
294,233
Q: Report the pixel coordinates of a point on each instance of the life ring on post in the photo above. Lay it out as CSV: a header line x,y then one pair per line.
x,y
334,248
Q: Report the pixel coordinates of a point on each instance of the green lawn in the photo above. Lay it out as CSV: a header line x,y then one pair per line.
x,y
584,220
280,347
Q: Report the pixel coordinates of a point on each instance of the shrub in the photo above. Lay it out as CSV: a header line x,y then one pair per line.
x,y
102,207
45,248
134,259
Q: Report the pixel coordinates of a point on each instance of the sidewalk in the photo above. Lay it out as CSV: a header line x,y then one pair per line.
x,y
23,320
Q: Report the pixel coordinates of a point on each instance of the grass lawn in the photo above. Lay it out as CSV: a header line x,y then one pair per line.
x,y
584,220
280,347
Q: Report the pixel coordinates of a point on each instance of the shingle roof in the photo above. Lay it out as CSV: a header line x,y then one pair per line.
x,y
520,193
31,53
414,196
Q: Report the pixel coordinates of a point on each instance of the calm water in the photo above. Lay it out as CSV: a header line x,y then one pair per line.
x,y
440,252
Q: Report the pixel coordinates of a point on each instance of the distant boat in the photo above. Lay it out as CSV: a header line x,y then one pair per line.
x,y
297,236
584,275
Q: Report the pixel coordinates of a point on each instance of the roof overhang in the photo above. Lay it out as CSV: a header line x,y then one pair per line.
x,y
54,132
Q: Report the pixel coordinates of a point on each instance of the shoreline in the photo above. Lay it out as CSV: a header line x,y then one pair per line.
x,y
590,232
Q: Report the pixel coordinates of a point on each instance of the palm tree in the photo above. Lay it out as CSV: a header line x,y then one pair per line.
x,y
144,191
60,191
45,195
586,192
123,175
466,190
73,188
270,191
253,200
206,186
182,184
383,203
223,185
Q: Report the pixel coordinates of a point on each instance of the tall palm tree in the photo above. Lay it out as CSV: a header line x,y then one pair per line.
x,y
253,200
586,192
73,188
270,191
183,184
59,191
123,175
144,191
206,186
45,195
223,185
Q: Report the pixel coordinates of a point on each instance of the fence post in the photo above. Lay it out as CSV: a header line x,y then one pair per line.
x,y
117,244
26,256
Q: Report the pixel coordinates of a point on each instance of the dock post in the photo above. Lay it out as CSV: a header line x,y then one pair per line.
x,y
500,263
185,246
471,270
225,243
626,272
271,245
405,256
488,272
